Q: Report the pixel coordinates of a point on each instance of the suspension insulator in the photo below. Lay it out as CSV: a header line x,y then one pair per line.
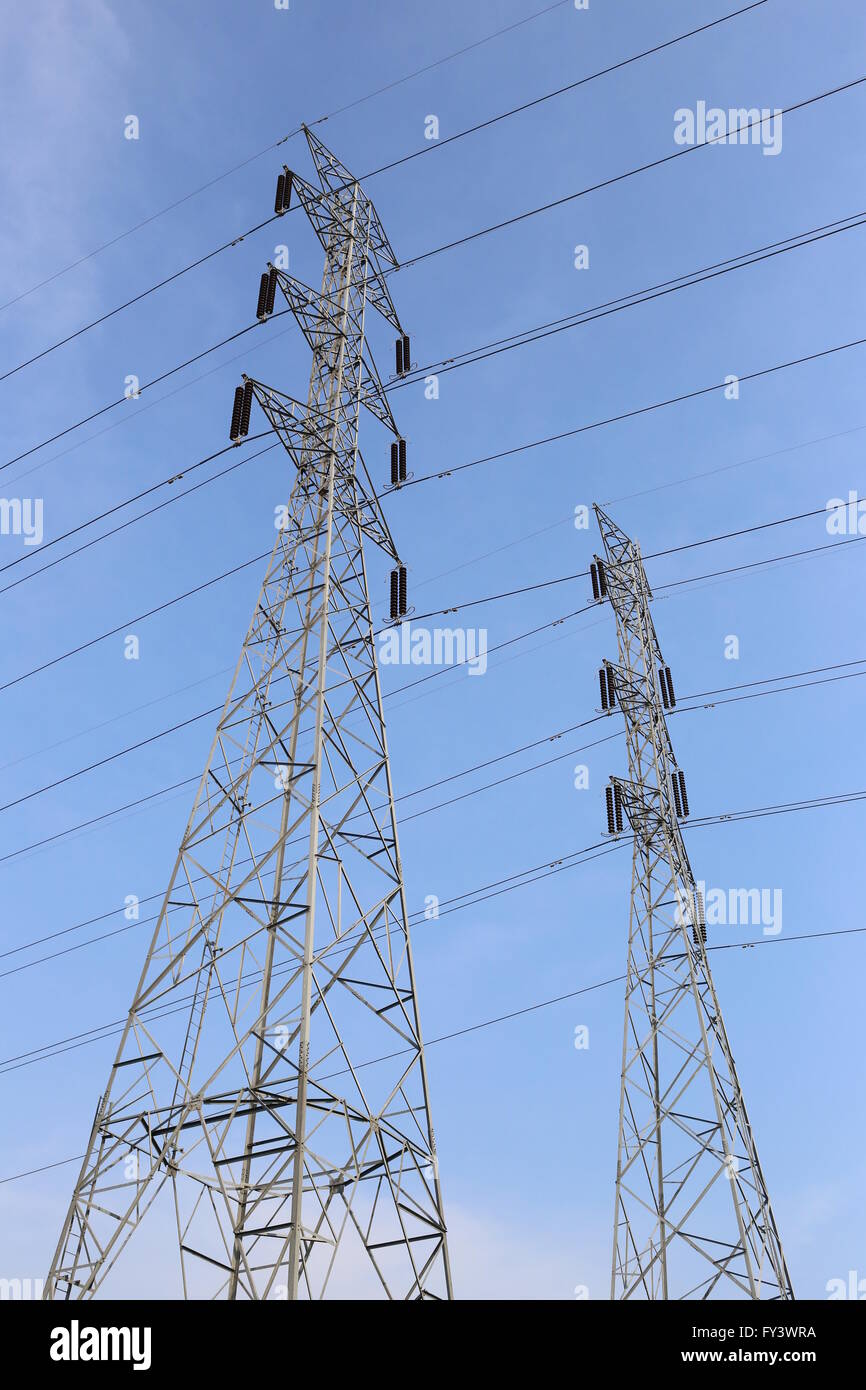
x,y
611,688
280,194
402,458
263,294
617,807
395,464
663,688
245,408
675,787
602,579
398,356
602,685
236,413
593,574
403,595
699,930
669,682
395,595
608,801
407,355
287,190
681,778
271,291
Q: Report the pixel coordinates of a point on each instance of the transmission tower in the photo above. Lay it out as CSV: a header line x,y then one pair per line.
x,y
692,1217
268,1104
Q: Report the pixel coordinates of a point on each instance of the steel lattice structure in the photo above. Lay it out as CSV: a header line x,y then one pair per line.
x,y
246,1102
692,1217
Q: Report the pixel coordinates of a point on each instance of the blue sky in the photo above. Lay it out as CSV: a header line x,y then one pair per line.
x,y
526,1124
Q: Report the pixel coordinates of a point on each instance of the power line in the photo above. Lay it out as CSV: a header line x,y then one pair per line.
x,y
630,173
528,445
533,1008
559,91
780,809
429,67
757,564
631,414
448,246
178,599
136,299
379,91
469,898
574,318
741,531
682,708
142,409
405,796
550,738
726,946
669,584
514,341
495,888
542,871
638,297
688,545
139,496
490,598
534,767
393,164
160,608
141,516
789,676
122,400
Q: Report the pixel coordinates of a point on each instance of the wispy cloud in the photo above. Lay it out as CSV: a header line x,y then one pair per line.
x,y
62,80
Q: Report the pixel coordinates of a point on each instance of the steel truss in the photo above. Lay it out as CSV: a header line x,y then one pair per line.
x,y
245,1102
692,1217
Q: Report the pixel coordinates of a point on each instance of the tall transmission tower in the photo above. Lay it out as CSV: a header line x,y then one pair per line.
x,y
693,1217
268,1106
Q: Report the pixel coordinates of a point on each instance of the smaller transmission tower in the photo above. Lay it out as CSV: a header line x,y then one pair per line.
x,y
692,1217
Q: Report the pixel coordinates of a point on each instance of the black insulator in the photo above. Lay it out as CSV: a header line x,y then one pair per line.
x,y
602,685
246,407
678,805
395,464
593,574
398,353
280,195
663,687
602,579
608,800
611,688
700,918
407,355
403,590
236,412
271,291
681,778
699,929
617,807
263,294
668,680
287,190
402,457
395,594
